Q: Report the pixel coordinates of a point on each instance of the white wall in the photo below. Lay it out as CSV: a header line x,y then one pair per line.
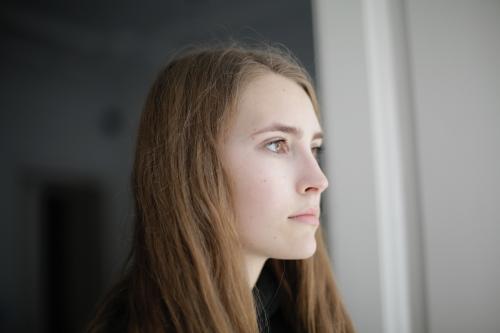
x,y
410,91
350,200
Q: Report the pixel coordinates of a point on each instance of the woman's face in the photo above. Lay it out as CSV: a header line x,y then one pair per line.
x,y
274,169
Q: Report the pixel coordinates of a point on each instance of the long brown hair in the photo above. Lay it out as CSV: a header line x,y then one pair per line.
x,y
185,271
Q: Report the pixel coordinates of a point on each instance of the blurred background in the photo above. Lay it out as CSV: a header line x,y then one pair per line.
x,y
74,76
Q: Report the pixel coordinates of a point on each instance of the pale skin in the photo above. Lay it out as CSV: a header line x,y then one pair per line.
x,y
275,171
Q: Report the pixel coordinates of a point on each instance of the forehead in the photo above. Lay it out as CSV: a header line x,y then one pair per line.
x,y
272,98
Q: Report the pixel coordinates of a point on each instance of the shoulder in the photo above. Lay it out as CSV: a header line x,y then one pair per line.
x,y
118,314
112,314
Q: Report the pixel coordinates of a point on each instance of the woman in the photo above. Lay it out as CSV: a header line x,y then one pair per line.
x,y
227,190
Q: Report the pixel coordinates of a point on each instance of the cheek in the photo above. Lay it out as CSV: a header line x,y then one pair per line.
x,y
260,194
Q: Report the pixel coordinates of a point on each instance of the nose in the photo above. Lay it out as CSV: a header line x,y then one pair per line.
x,y
312,177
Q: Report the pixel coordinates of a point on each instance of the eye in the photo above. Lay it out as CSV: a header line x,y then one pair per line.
x,y
279,145
317,151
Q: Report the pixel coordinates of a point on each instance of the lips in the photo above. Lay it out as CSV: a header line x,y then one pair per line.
x,y
309,211
308,216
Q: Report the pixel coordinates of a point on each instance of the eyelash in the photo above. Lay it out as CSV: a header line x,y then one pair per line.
x,y
319,149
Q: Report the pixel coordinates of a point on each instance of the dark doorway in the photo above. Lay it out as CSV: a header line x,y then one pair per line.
x,y
70,227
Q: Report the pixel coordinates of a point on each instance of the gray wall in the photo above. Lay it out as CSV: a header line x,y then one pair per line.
x,y
455,51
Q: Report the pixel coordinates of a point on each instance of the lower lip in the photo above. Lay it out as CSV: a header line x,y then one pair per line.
x,y
307,219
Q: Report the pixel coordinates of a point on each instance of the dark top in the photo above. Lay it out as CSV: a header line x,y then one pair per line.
x,y
268,298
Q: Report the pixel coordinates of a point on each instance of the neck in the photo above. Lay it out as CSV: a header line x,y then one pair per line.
x,y
254,266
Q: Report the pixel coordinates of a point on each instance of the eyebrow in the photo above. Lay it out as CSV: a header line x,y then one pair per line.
x,y
277,127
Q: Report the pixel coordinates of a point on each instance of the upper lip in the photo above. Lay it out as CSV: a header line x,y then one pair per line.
x,y
310,211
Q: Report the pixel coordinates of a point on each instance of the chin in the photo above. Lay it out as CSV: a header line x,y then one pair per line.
x,y
308,254
298,253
